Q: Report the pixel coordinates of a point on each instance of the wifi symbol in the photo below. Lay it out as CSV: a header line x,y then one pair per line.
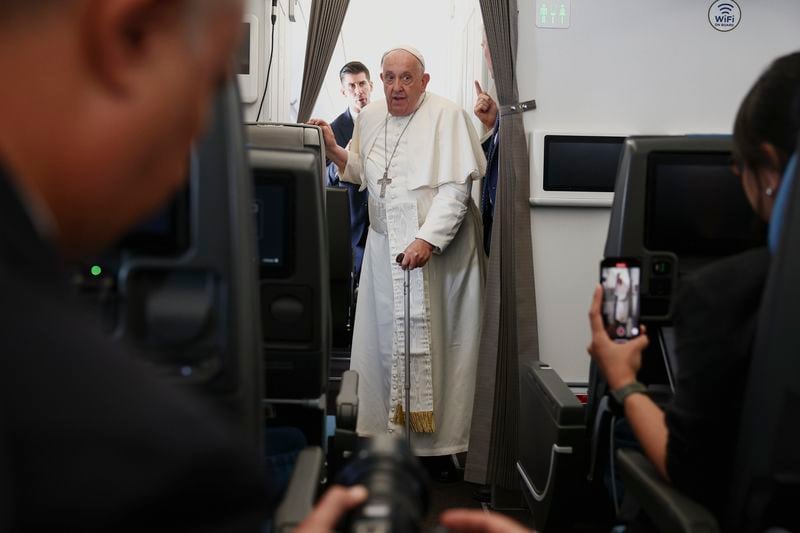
x,y
725,9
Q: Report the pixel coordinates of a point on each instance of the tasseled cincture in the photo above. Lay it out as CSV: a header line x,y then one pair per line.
x,y
421,422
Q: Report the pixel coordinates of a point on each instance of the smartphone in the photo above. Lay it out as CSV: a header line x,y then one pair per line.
x,y
620,278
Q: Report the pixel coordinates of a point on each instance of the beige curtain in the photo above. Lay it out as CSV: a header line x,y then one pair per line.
x,y
326,21
512,340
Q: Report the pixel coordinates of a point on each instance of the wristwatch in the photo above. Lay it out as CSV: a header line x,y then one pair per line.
x,y
621,393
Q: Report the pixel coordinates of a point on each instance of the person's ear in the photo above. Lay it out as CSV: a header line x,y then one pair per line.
x,y
122,37
772,156
425,79
771,174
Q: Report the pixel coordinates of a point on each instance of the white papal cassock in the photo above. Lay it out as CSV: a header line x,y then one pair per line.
x,y
429,197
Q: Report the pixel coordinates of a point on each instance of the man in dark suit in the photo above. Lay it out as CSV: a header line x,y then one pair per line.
x,y
486,111
357,88
91,438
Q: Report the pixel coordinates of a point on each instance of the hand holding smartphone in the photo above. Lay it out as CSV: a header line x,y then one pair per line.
x,y
620,278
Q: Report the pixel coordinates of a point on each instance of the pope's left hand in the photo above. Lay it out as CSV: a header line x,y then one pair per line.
x,y
416,255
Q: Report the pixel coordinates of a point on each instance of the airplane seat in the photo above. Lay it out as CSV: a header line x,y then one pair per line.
x,y
551,448
780,207
298,270
307,475
677,207
766,486
753,506
294,281
342,294
337,212
182,287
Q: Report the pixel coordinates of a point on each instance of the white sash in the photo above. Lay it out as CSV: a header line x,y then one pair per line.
x,y
402,226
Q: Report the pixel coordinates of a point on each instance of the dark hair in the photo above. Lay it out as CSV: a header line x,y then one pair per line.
x,y
769,113
353,67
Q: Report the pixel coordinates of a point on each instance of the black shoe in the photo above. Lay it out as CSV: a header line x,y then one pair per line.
x,y
441,468
482,494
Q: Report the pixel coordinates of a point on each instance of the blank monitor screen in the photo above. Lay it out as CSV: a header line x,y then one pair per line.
x,y
273,208
696,207
244,51
581,163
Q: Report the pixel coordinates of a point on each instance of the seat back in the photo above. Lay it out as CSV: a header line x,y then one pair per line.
x,y
766,485
677,207
183,287
294,279
782,204
661,182
287,162
337,216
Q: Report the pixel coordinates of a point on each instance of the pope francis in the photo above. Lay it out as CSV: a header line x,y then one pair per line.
x,y
417,155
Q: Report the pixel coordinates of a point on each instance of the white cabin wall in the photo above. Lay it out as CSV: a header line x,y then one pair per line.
x,y
373,26
466,56
447,32
627,66
277,103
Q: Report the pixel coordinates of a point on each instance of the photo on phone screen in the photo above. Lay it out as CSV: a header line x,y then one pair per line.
x,y
620,279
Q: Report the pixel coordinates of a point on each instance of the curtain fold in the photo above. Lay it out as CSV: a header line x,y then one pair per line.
x,y
512,341
324,26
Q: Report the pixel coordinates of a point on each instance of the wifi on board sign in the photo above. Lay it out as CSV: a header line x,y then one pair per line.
x,y
724,15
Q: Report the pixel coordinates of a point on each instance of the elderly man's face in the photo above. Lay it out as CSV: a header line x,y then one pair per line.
x,y
404,82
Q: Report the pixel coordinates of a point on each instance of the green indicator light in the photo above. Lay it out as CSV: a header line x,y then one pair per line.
x,y
96,270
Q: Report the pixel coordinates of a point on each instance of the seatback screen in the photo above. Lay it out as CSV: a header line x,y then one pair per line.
x,y
274,211
696,207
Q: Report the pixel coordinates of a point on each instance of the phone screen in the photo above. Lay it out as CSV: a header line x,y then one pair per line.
x,y
620,278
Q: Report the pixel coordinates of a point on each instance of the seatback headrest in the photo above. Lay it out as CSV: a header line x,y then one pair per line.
x,y
781,204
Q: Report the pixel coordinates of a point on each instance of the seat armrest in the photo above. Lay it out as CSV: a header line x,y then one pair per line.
x,y
299,498
347,402
668,509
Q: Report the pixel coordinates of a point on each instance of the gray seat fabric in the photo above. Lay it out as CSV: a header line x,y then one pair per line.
x,y
766,489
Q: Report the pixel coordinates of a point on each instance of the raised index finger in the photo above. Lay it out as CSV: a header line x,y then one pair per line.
x,y
478,89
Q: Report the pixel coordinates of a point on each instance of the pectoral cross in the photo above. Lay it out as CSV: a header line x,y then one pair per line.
x,y
383,182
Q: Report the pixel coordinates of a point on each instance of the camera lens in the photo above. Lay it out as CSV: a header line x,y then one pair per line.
x,y
397,485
